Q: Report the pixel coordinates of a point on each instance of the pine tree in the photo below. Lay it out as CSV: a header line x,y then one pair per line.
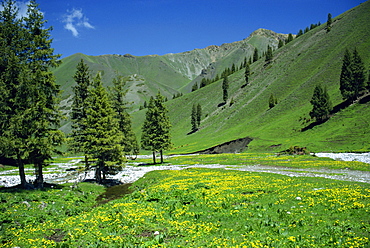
x,y
358,74
272,101
225,89
281,44
103,136
269,55
289,39
78,115
321,104
255,55
352,77
199,114
329,23
247,74
118,94
194,122
156,128
368,82
300,32
31,103
346,76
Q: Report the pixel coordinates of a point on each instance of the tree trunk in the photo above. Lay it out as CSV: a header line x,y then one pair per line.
x,y
98,173
22,175
39,176
86,163
154,157
161,156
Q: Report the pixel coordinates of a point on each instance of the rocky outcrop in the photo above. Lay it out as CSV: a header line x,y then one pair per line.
x,y
233,146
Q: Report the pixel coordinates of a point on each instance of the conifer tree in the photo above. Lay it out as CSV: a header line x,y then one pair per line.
x,y
255,55
346,76
321,104
272,101
156,135
78,115
269,54
368,82
118,94
247,73
352,77
225,89
281,44
358,74
103,136
289,39
31,103
329,23
194,87
194,122
199,114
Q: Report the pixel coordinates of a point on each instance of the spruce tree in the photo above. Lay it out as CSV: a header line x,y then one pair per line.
x,y
255,55
368,82
358,74
78,115
269,55
352,77
321,104
199,114
103,135
194,122
118,94
247,73
281,43
225,89
329,23
31,103
272,101
289,39
346,76
194,87
156,135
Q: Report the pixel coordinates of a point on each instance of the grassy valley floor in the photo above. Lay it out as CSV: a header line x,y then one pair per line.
x,y
198,207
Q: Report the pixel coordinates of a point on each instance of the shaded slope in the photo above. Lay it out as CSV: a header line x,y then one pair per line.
x,y
313,58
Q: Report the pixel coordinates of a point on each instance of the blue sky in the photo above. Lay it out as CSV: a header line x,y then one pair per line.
x,y
146,27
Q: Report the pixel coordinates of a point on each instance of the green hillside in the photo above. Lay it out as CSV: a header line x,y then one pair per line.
x,y
311,59
170,73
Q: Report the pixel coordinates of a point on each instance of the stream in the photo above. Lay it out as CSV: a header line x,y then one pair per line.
x,y
63,172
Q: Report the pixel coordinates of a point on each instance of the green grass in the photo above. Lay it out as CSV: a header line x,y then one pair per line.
x,y
313,58
268,159
202,208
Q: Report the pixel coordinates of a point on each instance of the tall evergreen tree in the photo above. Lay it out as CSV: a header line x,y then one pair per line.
x,y
346,76
225,89
358,74
118,94
79,106
269,55
289,39
156,135
247,73
194,87
281,43
368,82
272,101
199,114
194,122
329,23
255,55
31,103
321,104
352,77
103,136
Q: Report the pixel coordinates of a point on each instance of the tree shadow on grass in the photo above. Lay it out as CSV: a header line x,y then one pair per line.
x,y
362,100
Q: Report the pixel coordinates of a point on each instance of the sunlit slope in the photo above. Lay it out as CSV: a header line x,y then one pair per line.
x,y
314,58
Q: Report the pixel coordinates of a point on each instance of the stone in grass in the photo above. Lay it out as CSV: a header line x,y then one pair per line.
x,y
298,198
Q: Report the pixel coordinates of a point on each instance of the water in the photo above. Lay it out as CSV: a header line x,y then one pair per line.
x,y
362,157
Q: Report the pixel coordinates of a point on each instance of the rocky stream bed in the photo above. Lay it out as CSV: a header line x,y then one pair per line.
x,y
64,173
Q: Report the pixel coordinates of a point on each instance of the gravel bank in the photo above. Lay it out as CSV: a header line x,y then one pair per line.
x,y
131,173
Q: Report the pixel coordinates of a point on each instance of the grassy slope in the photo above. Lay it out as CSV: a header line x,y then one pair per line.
x,y
314,58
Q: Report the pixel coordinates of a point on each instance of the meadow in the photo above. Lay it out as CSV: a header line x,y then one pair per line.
x,y
195,208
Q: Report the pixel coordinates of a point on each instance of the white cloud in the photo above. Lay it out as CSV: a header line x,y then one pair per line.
x,y
74,20
22,8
